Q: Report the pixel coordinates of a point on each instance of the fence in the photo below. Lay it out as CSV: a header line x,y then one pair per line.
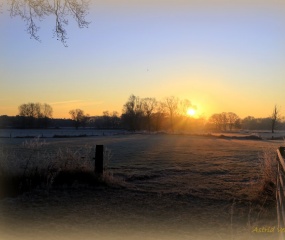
x,y
280,190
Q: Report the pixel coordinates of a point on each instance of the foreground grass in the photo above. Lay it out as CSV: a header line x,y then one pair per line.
x,y
39,168
37,164
203,212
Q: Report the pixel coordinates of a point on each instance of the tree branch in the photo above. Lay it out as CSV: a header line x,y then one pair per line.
x,y
32,10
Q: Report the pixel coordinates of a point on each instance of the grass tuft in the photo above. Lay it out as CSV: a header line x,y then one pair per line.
x,y
262,206
268,175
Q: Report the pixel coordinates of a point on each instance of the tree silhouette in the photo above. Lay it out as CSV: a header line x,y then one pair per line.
x,y
215,120
184,105
78,116
33,113
219,120
148,105
32,11
159,115
46,114
171,104
133,112
275,117
232,119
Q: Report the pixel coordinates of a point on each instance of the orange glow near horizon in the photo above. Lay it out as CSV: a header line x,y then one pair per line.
x,y
203,106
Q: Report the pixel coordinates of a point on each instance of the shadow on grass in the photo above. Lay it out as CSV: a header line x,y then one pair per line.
x,y
13,186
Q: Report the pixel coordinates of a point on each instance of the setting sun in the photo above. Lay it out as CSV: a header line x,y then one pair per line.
x,y
191,112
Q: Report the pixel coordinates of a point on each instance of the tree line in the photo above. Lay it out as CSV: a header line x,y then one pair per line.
x,y
35,115
152,115
141,114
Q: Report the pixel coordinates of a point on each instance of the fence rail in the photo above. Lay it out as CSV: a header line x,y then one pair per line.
x,y
280,189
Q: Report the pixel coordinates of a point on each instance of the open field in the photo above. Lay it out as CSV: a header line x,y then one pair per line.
x,y
85,132
49,133
161,187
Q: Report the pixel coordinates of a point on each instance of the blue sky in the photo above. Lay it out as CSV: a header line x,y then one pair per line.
x,y
222,57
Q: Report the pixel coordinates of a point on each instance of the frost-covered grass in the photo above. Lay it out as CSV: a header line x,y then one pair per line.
x,y
268,169
50,133
175,187
163,163
34,165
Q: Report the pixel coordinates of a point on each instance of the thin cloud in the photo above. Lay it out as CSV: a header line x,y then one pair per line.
x,y
66,102
81,102
93,103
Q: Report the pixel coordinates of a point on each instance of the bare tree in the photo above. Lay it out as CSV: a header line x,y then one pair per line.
x,y
232,119
133,113
115,119
32,11
148,105
78,116
275,118
220,120
33,111
171,104
46,114
216,121
184,105
46,110
249,122
224,120
159,115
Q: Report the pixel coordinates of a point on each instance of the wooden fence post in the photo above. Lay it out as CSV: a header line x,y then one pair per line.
x,y
99,156
282,151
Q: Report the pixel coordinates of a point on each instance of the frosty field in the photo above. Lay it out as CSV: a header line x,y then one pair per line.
x,y
162,187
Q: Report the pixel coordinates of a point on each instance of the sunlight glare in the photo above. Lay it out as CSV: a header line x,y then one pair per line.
x,y
191,112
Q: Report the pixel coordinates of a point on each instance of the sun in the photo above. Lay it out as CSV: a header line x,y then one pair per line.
x,y
191,112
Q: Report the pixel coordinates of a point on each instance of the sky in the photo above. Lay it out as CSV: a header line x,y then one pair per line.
x,y
223,56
